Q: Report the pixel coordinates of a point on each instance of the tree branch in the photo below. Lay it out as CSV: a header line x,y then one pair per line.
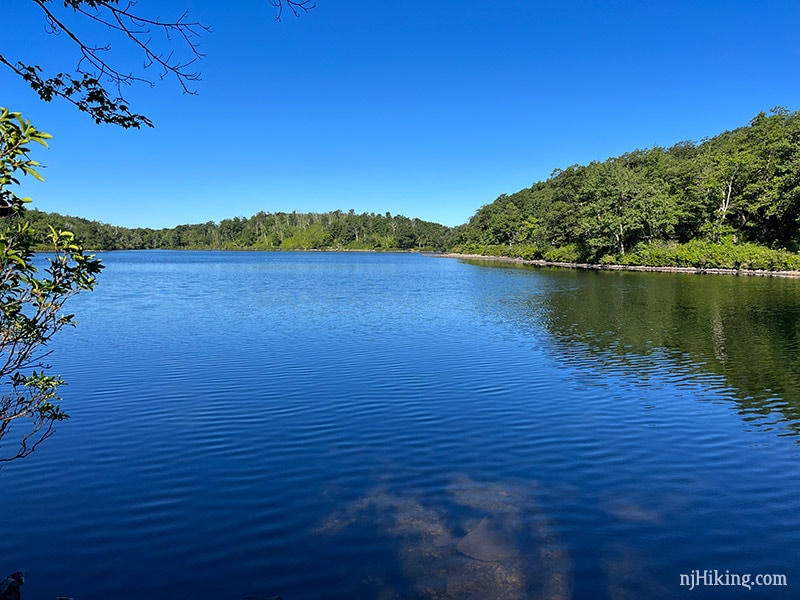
x,y
297,7
88,90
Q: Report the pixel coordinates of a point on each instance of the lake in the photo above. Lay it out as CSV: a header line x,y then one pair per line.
x,y
393,426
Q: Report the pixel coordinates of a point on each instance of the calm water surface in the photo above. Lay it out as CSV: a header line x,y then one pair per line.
x,y
392,426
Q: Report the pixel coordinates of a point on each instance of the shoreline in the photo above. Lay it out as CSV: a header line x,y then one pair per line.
x,y
640,268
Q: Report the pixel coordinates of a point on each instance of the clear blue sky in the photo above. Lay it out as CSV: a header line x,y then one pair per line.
x,y
427,109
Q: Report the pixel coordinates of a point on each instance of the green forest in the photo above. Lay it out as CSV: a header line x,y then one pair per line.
x,y
335,230
731,201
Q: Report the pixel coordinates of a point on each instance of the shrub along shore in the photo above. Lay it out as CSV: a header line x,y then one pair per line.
x,y
730,203
624,267
696,256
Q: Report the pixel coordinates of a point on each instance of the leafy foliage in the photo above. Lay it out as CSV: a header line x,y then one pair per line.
x,y
31,303
16,134
738,189
95,84
263,231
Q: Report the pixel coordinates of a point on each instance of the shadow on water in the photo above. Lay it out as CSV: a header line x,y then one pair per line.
x,y
745,330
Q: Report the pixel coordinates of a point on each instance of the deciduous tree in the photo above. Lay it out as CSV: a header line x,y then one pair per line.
x,y
31,302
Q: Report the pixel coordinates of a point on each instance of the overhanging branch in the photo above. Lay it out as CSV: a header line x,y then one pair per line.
x,y
170,45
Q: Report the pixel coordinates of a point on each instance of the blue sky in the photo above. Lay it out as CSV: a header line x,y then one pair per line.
x,y
427,109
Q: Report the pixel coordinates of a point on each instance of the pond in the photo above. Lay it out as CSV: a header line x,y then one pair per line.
x,y
364,425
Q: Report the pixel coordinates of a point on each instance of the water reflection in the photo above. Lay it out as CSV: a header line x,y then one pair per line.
x,y
281,436
744,329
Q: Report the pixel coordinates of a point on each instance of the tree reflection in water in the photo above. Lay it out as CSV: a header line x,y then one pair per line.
x,y
745,330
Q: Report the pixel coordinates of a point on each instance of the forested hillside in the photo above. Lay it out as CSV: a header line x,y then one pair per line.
x,y
263,231
729,201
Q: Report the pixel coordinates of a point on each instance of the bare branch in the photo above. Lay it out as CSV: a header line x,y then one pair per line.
x,y
297,7
173,45
137,29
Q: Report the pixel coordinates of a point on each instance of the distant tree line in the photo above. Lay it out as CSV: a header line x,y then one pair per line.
x,y
263,231
731,200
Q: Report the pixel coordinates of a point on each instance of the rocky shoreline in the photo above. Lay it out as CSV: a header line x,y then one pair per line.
x,y
597,267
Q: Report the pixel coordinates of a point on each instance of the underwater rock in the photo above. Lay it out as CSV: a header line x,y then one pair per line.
x,y
488,543
9,587
511,550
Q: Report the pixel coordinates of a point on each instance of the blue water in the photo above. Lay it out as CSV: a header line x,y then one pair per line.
x,y
334,425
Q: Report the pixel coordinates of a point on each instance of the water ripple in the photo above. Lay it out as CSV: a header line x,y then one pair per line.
x,y
334,425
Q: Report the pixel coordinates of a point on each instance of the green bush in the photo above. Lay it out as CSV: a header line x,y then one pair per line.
x,y
527,252
710,255
568,253
697,253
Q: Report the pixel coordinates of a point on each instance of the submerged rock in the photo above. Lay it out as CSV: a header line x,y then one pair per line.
x,y
9,587
501,552
488,543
